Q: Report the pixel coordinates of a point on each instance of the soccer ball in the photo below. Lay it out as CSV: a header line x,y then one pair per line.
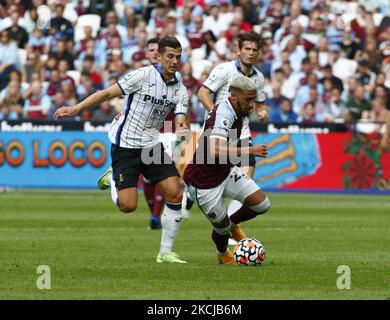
x,y
249,252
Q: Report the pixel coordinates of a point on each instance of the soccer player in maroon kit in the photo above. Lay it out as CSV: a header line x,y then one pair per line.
x,y
212,175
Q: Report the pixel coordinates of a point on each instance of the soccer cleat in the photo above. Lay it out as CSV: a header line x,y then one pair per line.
x,y
104,181
237,233
169,257
154,223
226,258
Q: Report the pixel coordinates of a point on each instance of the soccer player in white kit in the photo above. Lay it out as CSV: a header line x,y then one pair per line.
x,y
153,196
218,84
151,93
212,175
168,138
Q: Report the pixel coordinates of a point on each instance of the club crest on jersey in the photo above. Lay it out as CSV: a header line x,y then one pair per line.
x,y
224,122
161,102
175,92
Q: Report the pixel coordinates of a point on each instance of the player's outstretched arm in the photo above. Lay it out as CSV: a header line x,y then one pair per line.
x,y
220,148
93,100
259,150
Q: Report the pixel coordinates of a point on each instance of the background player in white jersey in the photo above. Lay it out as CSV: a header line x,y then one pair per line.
x,y
153,196
218,84
212,175
151,93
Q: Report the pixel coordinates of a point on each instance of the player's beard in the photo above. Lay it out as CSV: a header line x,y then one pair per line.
x,y
241,109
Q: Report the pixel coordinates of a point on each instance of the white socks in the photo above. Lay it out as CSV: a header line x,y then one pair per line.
x,y
170,222
114,194
234,206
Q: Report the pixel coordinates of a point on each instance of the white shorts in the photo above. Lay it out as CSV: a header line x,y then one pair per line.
x,y
237,186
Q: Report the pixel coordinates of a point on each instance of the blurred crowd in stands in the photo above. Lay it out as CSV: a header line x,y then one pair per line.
x,y
323,61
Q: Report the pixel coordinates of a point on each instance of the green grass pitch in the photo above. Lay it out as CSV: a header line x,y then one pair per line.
x,y
96,252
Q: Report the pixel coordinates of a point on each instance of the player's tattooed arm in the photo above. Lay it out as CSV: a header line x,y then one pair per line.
x,y
220,148
93,100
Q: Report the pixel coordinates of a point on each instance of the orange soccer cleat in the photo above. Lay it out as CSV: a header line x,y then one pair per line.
x,y
237,233
226,258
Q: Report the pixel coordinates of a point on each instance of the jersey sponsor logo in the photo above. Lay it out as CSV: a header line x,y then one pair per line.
x,y
160,114
161,102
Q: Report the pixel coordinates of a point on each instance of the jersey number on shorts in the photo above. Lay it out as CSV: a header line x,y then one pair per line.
x,y
236,177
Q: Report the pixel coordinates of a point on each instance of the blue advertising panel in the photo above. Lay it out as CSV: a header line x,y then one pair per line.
x,y
290,157
67,159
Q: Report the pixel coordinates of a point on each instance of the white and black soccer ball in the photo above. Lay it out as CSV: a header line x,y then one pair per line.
x,y
249,252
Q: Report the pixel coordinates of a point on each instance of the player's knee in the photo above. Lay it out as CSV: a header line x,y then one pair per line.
x,y
262,207
127,207
174,197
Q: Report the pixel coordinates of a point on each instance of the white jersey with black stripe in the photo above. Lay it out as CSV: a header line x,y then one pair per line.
x,y
219,82
148,101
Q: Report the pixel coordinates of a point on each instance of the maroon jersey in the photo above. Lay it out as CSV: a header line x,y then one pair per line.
x,y
196,39
204,172
35,111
